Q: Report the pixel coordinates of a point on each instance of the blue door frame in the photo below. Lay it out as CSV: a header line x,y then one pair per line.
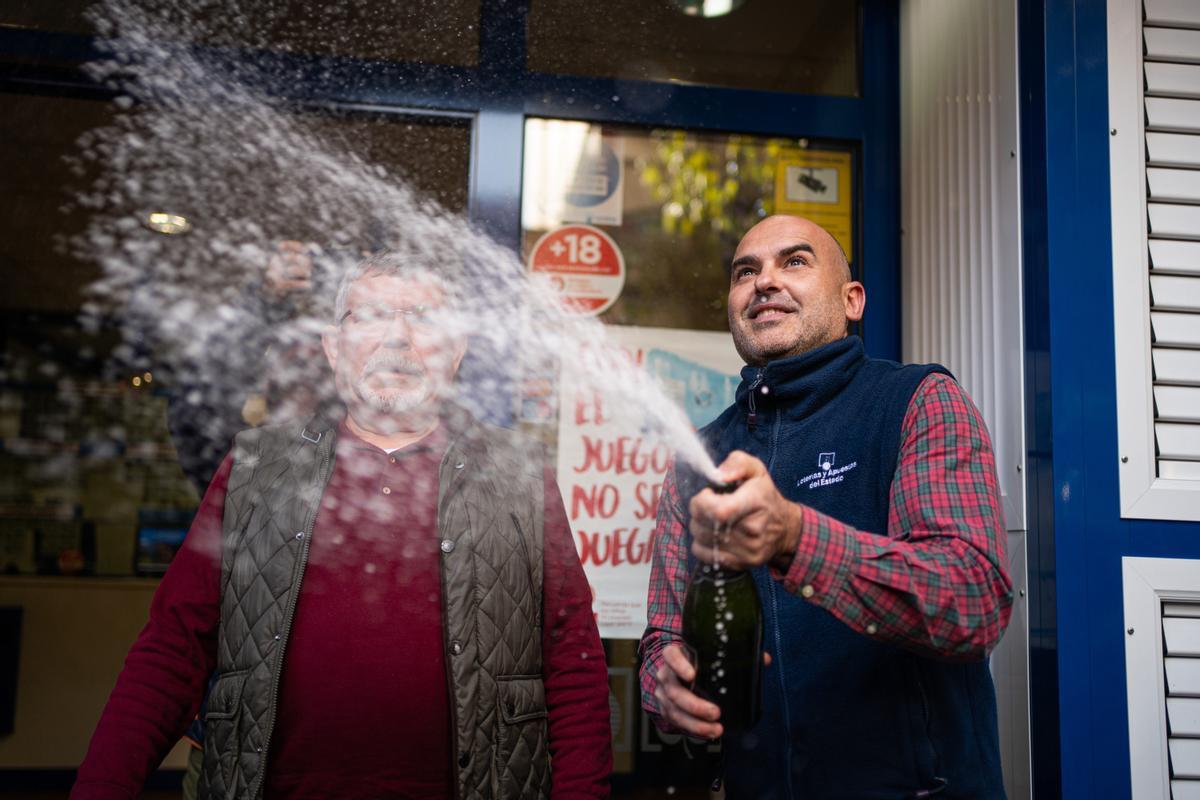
x,y
500,93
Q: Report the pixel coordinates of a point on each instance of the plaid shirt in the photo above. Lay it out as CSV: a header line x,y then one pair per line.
x,y
937,583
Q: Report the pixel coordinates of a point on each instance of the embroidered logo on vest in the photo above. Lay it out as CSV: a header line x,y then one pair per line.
x,y
828,473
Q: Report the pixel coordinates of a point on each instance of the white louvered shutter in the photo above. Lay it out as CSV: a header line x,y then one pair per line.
x,y
1154,76
1162,672
1181,658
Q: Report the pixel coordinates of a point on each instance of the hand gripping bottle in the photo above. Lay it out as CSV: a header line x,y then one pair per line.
x,y
723,626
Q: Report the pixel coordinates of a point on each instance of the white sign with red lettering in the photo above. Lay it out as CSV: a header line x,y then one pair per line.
x,y
583,264
610,470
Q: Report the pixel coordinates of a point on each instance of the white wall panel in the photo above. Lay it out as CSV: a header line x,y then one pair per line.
x,y
961,266
960,209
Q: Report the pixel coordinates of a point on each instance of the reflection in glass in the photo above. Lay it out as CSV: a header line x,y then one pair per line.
x,y
421,31
90,473
807,47
675,202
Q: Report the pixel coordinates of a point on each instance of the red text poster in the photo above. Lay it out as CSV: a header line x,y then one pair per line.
x,y
610,470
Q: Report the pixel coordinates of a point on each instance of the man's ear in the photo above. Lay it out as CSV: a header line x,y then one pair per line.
x,y
329,343
854,297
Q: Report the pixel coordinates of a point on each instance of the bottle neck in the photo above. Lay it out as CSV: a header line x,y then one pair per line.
x,y
723,573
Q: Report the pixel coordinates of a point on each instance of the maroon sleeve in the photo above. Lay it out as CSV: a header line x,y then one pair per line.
x,y
576,672
161,685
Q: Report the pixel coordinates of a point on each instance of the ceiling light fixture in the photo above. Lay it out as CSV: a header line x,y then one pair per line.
x,y
162,222
708,8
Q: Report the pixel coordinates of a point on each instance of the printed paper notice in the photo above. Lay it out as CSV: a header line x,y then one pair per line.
x,y
817,184
610,471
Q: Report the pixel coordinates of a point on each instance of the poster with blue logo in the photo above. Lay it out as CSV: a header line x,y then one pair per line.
x,y
572,173
611,466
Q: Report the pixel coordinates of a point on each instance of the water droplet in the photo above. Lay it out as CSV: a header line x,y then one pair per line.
x,y
722,690
720,625
720,673
728,615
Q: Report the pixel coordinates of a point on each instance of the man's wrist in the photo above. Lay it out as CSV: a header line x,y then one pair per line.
x,y
782,561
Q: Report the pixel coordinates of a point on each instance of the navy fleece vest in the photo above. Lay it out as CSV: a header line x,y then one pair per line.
x,y
846,716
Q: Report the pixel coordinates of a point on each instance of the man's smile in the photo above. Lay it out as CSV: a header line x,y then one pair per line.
x,y
763,312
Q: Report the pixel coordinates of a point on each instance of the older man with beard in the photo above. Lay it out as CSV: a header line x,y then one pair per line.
x,y
392,601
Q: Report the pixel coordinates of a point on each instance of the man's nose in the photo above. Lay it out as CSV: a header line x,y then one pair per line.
x,y
767,280
397,333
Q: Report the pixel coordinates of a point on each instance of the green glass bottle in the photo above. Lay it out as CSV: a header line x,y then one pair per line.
x,y
723,625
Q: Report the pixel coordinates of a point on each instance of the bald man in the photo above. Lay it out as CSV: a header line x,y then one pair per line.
x,y
868,511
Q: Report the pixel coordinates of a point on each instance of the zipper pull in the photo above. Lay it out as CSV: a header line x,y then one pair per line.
x,y
752,417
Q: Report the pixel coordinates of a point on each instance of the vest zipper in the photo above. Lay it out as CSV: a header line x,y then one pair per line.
x,y
778,665
752,417
288,614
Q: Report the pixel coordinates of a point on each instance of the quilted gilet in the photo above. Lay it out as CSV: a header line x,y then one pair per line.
x,y
490,500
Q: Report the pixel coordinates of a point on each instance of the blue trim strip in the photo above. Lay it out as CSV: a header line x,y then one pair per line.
x,y
1046,778
879,182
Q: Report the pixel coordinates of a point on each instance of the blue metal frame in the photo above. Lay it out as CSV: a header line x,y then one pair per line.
x,y
500,93
1077,536
1046,780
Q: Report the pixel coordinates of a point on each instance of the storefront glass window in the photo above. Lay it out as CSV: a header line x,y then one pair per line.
x,y
96,477
423,31
774,45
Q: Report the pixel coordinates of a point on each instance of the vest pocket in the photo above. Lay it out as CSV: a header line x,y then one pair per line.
x,y
520,751
222,735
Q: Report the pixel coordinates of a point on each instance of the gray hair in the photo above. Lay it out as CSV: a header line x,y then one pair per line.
x,y
388,262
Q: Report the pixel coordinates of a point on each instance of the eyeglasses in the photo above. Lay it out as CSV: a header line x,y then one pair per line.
x,y
372,319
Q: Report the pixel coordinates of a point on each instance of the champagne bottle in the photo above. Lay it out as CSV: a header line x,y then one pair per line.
x,y
723,625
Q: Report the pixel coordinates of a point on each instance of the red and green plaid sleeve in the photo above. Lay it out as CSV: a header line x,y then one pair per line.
x,y
668,585
936,584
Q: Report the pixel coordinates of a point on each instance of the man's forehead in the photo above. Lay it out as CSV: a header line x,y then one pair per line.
x,y
415,285
774,234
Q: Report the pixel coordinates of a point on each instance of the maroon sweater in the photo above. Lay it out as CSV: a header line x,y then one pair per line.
x,y
364,702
